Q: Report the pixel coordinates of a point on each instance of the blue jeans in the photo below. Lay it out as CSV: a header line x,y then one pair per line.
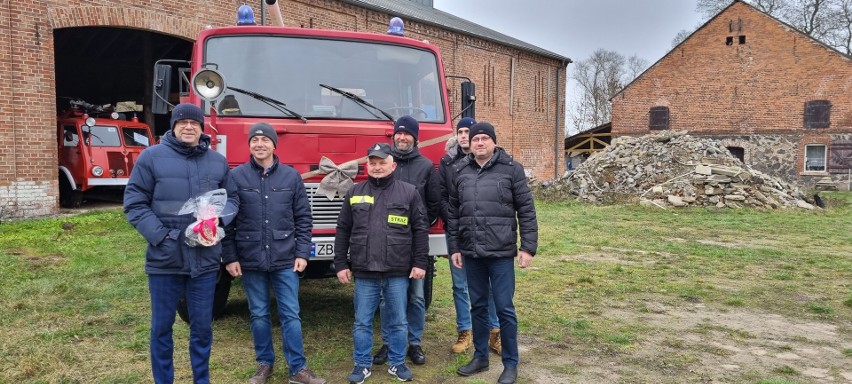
x,y
500,273
415,312
285,285
461,300
166,291
368,294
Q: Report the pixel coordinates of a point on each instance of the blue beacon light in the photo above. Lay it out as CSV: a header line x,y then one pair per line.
x,y
245,15
396,27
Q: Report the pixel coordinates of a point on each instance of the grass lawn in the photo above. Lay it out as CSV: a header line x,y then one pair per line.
x,y
616,294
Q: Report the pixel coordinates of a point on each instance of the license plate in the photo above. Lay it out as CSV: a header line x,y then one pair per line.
x,y
322,249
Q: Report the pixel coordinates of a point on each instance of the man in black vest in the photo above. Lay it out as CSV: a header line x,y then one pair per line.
x,y
414,168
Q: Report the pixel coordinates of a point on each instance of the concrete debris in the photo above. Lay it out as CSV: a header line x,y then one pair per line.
x,y
673,169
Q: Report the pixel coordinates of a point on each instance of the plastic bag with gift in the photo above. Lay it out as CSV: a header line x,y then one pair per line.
x,y
206,208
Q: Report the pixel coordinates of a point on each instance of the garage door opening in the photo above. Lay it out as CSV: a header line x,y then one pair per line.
x,y
108,65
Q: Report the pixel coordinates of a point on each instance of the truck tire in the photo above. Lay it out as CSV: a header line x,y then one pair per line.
x,y
68,196
220,297
427,281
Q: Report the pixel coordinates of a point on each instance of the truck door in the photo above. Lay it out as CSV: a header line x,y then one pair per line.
x,y
70,151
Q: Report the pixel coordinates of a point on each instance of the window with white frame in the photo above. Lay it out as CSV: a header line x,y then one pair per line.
x,y
815,158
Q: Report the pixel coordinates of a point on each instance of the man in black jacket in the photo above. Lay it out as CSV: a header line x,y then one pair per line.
x,y
271,245
382,226
415,169
489,201
458,148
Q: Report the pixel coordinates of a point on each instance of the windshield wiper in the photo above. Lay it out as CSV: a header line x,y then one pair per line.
x,y
363,103
271,102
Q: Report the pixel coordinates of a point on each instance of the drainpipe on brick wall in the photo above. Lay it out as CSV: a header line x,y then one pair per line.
x,y
512,88
557,146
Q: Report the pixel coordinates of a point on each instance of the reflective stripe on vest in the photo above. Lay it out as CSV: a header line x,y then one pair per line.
x,y
360,199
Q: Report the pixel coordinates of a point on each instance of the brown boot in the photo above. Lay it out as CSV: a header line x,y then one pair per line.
x,y
306,376
464,341
494,341
261,375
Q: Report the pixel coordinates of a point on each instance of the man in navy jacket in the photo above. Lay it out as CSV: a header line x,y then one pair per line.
x,y
165,176
272,243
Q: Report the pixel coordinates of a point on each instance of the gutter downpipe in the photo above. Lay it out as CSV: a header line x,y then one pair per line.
x,y
556,146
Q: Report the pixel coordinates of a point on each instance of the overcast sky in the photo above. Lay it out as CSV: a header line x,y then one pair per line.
x,y
576,28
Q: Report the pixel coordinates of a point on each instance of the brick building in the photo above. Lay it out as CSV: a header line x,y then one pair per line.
x,y
778,99
103,51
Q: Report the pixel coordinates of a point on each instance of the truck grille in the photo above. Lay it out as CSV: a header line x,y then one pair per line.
x,y
116,162
323,210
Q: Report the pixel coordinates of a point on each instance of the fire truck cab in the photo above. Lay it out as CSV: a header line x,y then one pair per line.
x,y
97,149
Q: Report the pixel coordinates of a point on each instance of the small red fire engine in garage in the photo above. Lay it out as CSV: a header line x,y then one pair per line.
x,y
97,149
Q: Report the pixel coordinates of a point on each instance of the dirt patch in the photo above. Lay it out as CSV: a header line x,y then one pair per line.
x,y
697,344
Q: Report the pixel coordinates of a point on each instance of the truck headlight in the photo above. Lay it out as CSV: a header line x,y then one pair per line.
x,y
97,171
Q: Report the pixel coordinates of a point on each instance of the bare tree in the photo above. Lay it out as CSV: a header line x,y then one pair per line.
x,y
681,36
829,21
600,77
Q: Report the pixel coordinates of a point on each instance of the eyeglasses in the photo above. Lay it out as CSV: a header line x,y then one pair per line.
x,y
188,122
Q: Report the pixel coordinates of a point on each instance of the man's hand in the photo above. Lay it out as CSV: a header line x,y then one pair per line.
x,y
417,273
300,264
234,269
524,259
344,276
457,260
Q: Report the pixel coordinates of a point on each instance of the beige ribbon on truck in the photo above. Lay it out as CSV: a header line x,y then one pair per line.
x,y
339,178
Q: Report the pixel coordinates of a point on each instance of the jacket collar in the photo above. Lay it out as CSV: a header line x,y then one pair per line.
x,y
405,156
257,167
178,146
500,157
381,183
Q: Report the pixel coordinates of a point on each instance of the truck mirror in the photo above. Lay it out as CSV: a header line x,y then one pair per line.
x,y
69,137
468,99
162,89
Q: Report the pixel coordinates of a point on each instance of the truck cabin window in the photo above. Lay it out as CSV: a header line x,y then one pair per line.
x,y
101,136
135,137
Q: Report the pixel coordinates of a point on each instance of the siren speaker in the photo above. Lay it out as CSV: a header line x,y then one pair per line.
x,y
209,84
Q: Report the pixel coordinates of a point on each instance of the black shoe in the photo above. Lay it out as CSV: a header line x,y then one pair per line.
x,y
474,366
415,353
381,356
509,375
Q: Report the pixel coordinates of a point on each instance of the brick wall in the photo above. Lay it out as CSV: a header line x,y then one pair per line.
x,y
527,109
749,90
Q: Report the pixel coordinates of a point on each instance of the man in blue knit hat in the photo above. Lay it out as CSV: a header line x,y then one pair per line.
x,y
266,260
165,176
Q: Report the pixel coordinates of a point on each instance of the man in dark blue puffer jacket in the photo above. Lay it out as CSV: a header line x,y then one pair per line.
x,y
272,243
165,176
490,201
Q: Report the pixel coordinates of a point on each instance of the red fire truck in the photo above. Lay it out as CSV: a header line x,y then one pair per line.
x,y
97,150
329,95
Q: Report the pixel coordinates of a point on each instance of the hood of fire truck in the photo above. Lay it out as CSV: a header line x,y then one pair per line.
x,y
303,145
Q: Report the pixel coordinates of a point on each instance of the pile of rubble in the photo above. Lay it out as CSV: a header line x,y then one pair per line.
x,y
673,169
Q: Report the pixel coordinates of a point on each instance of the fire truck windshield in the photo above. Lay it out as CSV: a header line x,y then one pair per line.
x,y
396,79
101,136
